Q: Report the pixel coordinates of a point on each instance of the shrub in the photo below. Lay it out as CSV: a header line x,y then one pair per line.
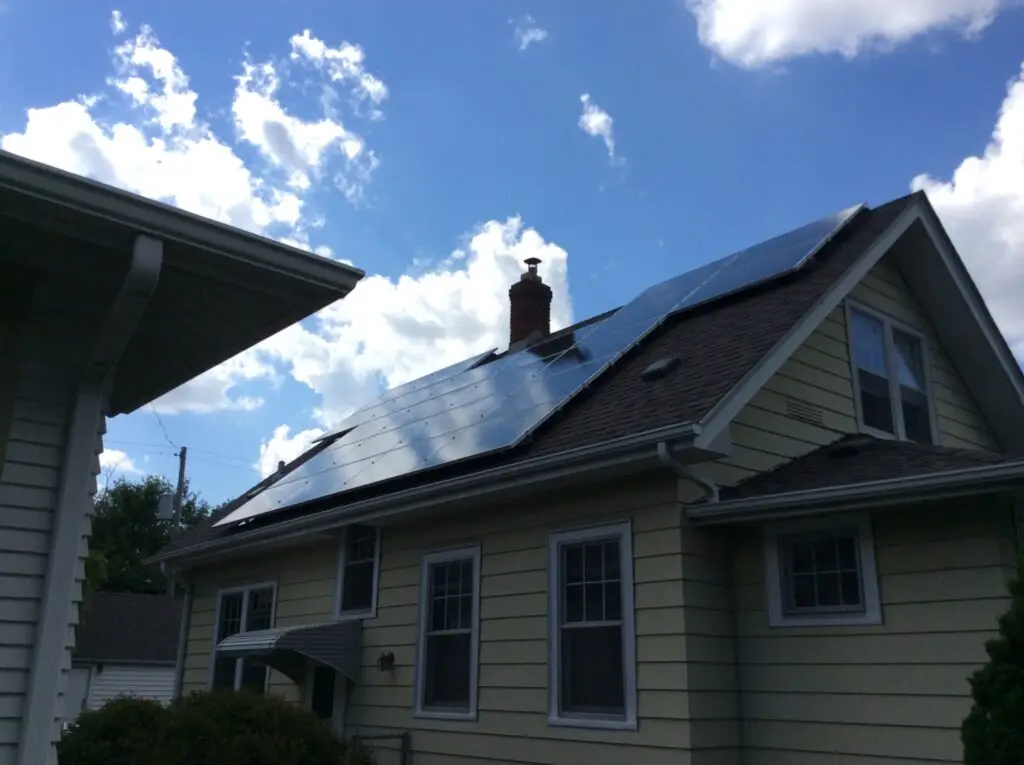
x,y
221,728
993,732
119,733
226,728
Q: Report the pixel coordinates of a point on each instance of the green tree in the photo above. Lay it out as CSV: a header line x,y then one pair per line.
x,y
993,733
126,531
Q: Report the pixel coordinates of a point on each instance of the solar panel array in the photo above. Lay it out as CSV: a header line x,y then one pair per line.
x,y
472,409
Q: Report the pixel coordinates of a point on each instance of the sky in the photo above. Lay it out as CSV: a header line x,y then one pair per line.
x,y
437,145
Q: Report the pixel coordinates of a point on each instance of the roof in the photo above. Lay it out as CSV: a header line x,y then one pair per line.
x,y
220,291
128,628
718,344
857,459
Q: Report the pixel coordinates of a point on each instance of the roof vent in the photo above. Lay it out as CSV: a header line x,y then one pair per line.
x,y
660,368
851,447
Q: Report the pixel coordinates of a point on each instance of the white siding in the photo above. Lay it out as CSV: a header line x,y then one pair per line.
x,y
138,680
36,400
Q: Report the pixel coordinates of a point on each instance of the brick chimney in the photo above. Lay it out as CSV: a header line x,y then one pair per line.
x,y
529,305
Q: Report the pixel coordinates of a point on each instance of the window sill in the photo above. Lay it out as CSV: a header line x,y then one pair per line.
x,y
828,620
355,616
592,723
437,714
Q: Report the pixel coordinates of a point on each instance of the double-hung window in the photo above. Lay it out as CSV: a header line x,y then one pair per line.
x,y
821,572
592,664
358,569
245,609
446,677
890,377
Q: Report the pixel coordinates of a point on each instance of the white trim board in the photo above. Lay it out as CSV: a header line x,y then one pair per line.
x,y
730,405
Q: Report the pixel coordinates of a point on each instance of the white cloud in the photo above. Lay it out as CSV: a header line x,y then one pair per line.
x,y
114,461
982,207
117,22
282,446
753,33
344,65
527,33
596,122
392,331
161,148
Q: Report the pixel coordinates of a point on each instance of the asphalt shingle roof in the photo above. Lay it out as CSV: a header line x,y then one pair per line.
x,y
857,459
128,627
717,343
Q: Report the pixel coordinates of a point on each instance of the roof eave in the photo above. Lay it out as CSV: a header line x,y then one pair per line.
x,y
568,466
890,491
142,215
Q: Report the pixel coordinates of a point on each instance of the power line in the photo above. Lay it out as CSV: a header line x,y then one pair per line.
x,y
218,463
162,427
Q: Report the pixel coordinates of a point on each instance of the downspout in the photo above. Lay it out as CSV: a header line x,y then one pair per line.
x,y
186,619
683,473
73,501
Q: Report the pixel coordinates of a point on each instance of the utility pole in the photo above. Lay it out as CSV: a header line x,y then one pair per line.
x,y
179,496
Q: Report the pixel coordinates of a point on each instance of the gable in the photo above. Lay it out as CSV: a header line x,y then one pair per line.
x,y
809,402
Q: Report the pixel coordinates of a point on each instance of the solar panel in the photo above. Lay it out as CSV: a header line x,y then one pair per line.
x,y
395,397
445,418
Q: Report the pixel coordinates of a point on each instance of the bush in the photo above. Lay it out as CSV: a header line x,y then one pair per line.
x,y
993,733
120,733
220,728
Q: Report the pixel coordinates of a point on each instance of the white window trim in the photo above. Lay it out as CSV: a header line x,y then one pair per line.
x,y
894,389
445,556
340,581
624,532
246,589
777,616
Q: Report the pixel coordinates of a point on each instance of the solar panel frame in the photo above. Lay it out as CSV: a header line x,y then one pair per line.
x,y
499,404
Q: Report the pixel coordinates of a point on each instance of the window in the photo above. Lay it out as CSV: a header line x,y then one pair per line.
x,y
821,572
325,694
890,378
358,568
247,609
449,626
592,666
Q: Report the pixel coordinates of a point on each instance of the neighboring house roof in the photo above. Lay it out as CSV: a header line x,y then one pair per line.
x,y
858,459
220,290
721,345
128,628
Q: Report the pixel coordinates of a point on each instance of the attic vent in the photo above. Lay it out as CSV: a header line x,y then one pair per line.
x,y
801,410
658,369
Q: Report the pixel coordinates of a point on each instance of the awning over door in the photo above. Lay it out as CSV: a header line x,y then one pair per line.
x,y
288,649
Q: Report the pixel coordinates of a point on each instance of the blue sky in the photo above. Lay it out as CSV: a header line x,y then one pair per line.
x,y
437,144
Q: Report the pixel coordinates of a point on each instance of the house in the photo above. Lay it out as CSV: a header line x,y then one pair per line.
x,y
107,301
126,644
764,513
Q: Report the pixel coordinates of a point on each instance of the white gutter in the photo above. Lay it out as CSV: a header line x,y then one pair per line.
x,y
951,483
170,224
186,619
683,473
69,517
471,487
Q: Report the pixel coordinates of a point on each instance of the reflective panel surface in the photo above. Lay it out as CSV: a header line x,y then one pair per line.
x,y
466,411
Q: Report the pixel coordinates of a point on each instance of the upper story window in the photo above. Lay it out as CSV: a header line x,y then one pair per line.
x,y
244,609
890,377
821,572
358,569
592,670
